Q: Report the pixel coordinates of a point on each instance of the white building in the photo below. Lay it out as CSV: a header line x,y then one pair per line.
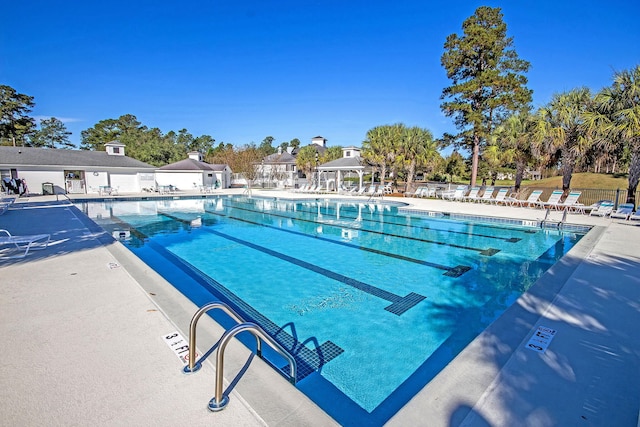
x,y
193,173
75,171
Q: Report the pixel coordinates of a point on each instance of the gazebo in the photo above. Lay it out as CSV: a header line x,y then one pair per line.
x,y
350,162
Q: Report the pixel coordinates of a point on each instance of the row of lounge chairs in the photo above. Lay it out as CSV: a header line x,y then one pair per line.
x,y
486,195
554,202
624,211
366,190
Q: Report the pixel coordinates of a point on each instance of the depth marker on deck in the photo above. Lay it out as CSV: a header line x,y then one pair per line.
x,y
179,345
541,339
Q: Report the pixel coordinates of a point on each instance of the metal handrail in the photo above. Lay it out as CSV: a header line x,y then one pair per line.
x,y
194,366
219,401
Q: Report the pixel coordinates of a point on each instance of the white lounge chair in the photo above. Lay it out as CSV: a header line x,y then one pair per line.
x,y
414,193
624,211
456,194
532,200
603,210
21,243
361,191
635,216
473,194
487,195
500,196
553,199
571,202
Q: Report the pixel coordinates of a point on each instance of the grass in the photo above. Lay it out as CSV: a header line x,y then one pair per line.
x,y
578,180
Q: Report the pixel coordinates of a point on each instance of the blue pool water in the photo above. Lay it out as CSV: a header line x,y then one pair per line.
x,y
372,301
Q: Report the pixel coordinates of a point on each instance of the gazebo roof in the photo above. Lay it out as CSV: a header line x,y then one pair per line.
x,y
344,163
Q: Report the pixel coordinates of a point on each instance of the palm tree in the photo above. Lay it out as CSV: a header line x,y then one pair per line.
x,y
616,117
560,131
514,143
418,148
306,160
379,149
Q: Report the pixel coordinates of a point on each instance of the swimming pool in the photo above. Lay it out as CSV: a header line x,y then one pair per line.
x,y
373,301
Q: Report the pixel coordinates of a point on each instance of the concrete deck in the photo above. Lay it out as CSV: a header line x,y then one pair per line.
x,y
83,324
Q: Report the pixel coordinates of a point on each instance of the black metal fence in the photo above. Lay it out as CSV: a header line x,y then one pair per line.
x,y
588,196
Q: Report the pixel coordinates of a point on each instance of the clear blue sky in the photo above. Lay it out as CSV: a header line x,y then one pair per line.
x,y
242,70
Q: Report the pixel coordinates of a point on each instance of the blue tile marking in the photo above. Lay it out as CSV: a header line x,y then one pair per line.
x,y
488,252
399,304
307,360
450,271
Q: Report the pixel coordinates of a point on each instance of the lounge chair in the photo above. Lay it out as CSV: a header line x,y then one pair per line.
x,y
21,243
635,216
473,194
603,210
487,195
500,196
456,194
552,201
532,200
361,191
571,202
417,193
373,191
301,189
624,211
595,205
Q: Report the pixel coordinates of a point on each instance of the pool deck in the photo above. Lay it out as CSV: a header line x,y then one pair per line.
x,y
83,323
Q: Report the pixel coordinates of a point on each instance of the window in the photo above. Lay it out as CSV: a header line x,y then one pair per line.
x,y
116,150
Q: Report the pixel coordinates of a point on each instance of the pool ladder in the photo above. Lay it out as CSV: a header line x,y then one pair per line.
x,y
220,401
559,224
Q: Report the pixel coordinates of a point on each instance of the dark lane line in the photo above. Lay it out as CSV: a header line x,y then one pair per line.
x,y
487,252
450,271
398,304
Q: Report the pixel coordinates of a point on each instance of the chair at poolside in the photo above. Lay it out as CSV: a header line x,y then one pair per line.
x,y
624,211
635,216
416,193
300,189
532,200
312,189
486,196
552,201
373,190
473,194
20,243
595,205
500,196
456,194
361,191
603,210
571,202
346,191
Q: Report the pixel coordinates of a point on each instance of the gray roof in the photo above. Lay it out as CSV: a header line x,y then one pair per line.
x,y
29,156
191,165
280,158
344,163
